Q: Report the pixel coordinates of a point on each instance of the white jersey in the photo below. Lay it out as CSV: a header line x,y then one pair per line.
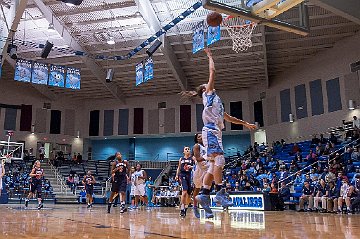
x,y
203,154
213,112
138,174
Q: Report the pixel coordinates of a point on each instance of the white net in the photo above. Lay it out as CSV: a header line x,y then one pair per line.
x,y
240,31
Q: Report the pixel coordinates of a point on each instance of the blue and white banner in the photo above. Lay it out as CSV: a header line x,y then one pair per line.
x,y
149,69
243,202
40,73
198,37
73,78
213,35
139,73
23,70
57,76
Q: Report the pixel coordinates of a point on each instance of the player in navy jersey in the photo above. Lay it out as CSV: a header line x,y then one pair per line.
x,y
201,166
120,178
36,174
183,173
88,182
213,117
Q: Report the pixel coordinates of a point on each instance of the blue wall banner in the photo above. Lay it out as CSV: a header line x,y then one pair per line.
x,y
73,78
198,37
213,35
139,73
40,73
149,69
23,70
57,76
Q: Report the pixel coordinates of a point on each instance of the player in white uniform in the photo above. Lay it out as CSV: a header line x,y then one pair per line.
x,y
200,169
140,179
2,173
213,118
132,188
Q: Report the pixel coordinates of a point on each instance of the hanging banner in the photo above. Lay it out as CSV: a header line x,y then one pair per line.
x,y
139,73
23,70
198,37
213,35
57,75
73,78
149,69
40,73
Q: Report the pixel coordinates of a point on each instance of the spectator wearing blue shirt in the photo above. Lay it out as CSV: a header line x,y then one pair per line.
x,y
82,196
356,203
347,155
332,193
299,179
355,155
320,196
307,196
284,192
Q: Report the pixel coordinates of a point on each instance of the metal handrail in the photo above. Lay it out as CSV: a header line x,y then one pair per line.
x,y
59,179
333,153
165,170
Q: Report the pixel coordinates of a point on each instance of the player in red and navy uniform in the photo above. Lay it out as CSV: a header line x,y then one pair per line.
x,y
88,182
183,174
36,174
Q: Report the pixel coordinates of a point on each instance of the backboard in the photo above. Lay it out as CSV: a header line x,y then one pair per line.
x,y
264,12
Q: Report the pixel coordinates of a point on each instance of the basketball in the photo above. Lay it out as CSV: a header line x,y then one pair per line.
x,y
214,19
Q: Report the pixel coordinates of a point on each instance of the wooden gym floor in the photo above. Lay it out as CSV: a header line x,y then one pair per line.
x,y
75,221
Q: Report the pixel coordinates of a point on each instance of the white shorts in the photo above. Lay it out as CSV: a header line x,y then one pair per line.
x,y
212,140
139,190
198,177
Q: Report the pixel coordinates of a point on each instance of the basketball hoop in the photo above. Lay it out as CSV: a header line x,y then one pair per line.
x,y
240,31
8,158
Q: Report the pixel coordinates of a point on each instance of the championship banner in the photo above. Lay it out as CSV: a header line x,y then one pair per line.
x,y
40,73
198,38
57,75
139,73
73,78
23,70
149,69
213,35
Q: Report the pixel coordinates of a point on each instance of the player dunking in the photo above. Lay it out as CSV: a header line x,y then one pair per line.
x,y
213,118
120,171
201,166
88,182
36,174
183,173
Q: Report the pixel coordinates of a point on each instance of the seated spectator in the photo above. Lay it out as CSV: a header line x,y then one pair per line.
x,y
311,158
320,196
313,174
299,179
295,149
308,178
284,192
328,149
347,155
272,163
266,188
332,197
284,174
333,139
82,196
344,196
319,151
307,196
355,155
294,167
322,139
315,140
259,165
298,157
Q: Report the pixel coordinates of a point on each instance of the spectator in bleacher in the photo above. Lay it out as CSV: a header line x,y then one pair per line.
x,y
284,174
272,163
339,179
313,174
355,155
266,188
311,158
259,164
79,158
322,139
294,166
345,193
307,196
295,149
347,155
320,196
284,192
70,182
328,149
315,140
319,151
298,157
356,123
330,176
333,139
82,196
308,178
332,197
47,187
356,203
299,179
254,182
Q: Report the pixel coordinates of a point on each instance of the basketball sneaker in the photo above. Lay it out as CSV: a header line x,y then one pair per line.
x,y
40,206
109,207
89,205
204,201
222,198
26,202
182,213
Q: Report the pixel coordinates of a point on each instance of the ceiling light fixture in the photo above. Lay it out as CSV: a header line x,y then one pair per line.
x,y
111,41
71,3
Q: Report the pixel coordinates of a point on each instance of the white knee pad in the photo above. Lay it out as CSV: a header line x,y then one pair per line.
x,y
211,168
220,161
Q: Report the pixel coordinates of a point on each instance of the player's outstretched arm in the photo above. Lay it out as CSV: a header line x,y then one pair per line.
x,y
211,84
234,120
